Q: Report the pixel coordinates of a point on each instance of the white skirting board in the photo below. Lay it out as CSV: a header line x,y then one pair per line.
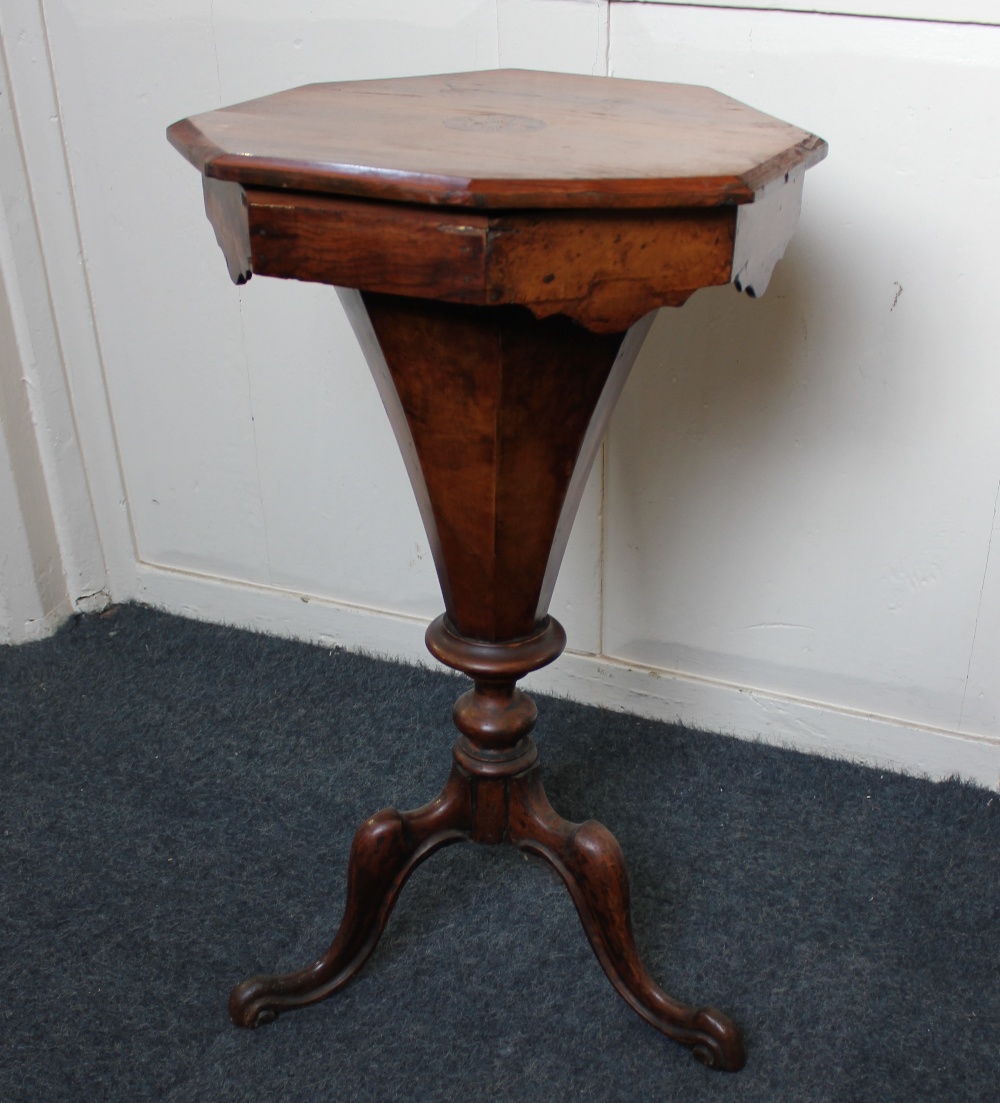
x,y
812,727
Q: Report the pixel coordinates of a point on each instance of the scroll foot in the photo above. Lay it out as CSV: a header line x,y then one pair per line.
x,y
386,850
590,862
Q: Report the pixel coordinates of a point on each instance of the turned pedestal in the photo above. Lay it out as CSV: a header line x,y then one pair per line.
x,y
499,240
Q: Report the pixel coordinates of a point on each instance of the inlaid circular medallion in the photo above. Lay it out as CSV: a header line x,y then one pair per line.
x,y
493,121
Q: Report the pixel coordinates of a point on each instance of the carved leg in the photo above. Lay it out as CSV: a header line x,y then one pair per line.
x,y
386,850
589,860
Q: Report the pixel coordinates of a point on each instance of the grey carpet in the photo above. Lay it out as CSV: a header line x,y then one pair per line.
x,y
178,801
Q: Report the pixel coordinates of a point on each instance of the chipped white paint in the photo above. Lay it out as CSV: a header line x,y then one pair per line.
x,y
794,534
774,213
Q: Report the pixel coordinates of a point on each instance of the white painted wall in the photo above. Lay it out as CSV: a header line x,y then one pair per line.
x,y
820,469
51,562
33,595
790,534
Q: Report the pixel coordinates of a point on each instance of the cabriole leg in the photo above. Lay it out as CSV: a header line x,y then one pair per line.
x,y
589,860
386,850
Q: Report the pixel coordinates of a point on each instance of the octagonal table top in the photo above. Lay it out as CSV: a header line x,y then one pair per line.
x,y
502,139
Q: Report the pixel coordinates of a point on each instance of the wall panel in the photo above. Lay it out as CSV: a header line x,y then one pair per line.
x,y
801,489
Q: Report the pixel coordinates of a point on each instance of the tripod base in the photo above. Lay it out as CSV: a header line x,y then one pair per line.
x,y
493,809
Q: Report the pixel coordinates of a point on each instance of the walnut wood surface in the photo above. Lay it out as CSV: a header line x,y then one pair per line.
x,y
497,406
603,269
496,411
589,860
387,848
499,335
501,139
390,845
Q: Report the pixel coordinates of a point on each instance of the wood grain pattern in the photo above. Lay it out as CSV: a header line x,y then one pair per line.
x,y
390,248
604,269
501,139
497,405
500,336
